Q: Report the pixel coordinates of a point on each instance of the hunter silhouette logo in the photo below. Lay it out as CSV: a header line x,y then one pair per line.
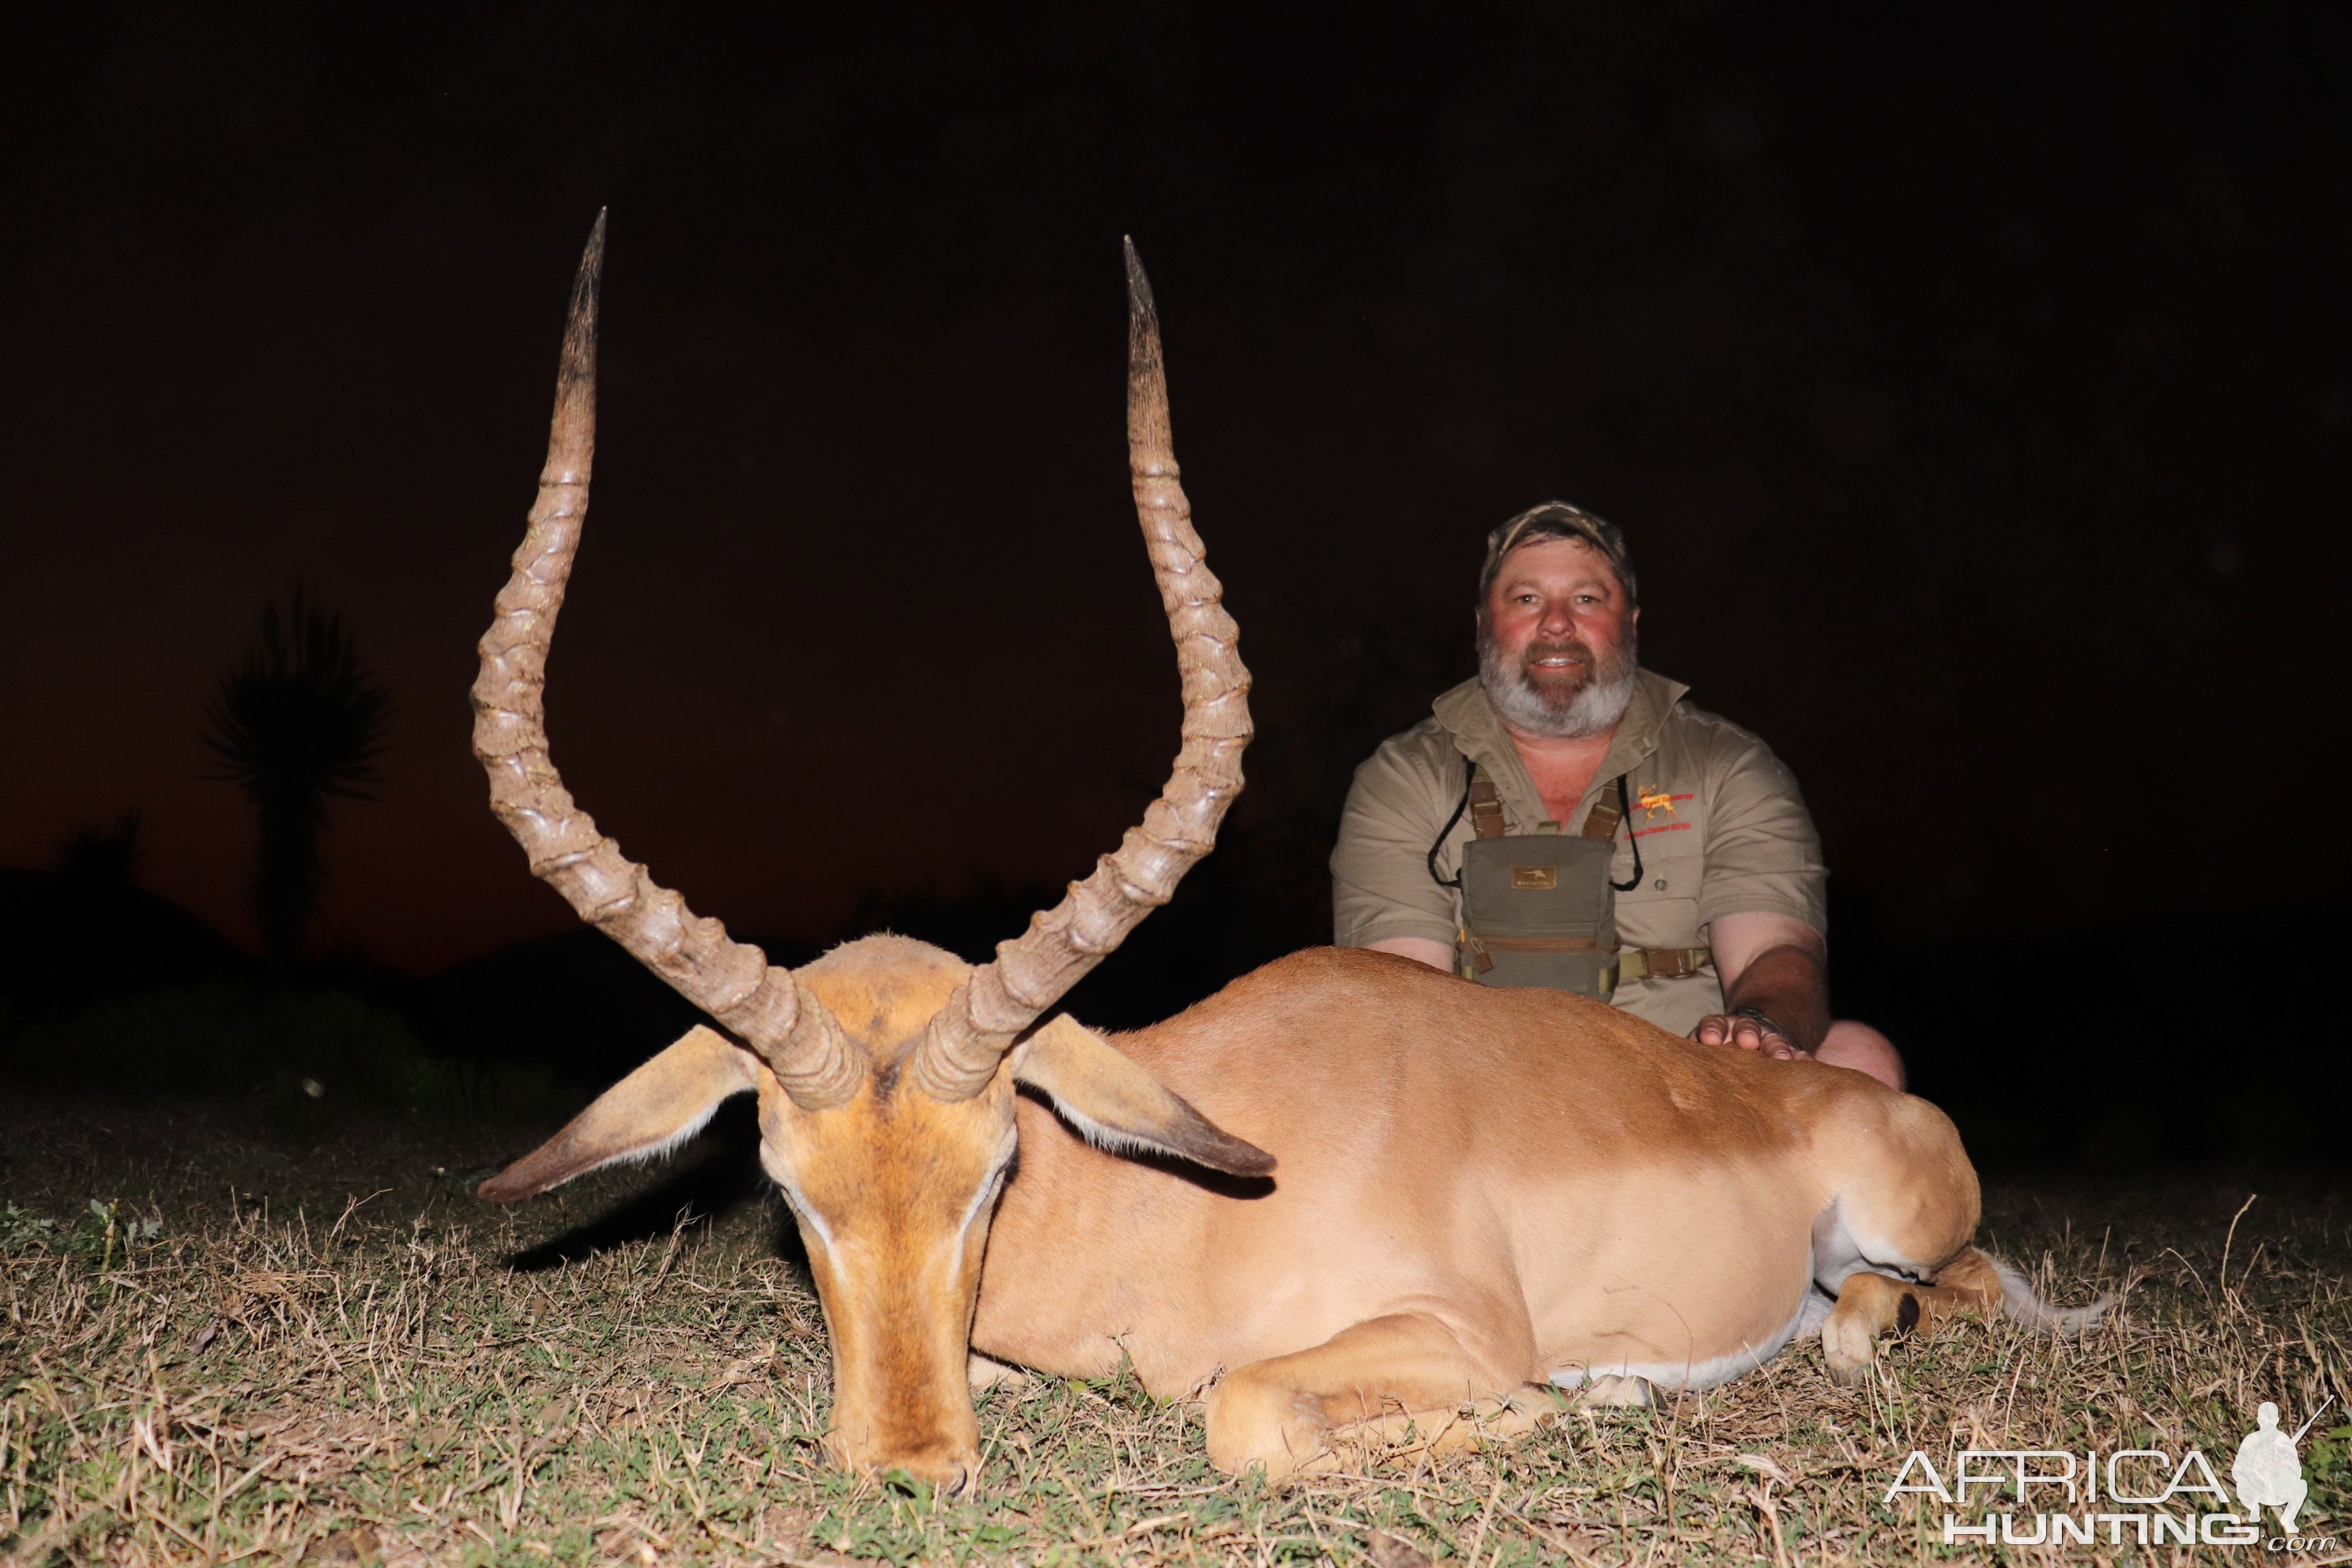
x,y
2268,1471
1655,801
2042,1497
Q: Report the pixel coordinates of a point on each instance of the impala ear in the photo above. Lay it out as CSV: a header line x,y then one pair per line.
x,y
1120,1107
646,1114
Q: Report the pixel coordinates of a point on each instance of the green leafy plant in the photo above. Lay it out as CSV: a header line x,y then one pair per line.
x,y
100,1231
24,1230
2328,1456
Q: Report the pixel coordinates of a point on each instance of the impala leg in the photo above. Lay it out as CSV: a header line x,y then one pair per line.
x,y
1907,1201
1869,1305
1362,1389
984,1373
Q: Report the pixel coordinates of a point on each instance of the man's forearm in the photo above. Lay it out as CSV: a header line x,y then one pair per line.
x,y
1435,954
1789,985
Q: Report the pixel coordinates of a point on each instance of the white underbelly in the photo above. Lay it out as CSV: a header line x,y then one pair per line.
x,y
1811,1308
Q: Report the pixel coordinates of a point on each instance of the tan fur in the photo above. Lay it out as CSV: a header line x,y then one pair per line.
x,y
1479,1189
1479,1192
893,1190
1869,1305
892,1176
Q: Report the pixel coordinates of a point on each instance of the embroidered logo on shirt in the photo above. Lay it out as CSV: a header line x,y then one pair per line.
x,y
1655,801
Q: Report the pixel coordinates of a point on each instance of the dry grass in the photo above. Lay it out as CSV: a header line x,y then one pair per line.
x,y
323,1375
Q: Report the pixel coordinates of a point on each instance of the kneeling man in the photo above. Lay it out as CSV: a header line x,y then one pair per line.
x,y
1716,874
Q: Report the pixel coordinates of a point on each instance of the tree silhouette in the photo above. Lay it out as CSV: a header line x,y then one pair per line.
x,y
296,722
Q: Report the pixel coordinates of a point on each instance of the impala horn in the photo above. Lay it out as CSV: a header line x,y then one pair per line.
x,y
964,1042
729,980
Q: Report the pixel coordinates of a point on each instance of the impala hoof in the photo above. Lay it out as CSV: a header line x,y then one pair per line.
x,y
1613,1391
1848,1373
1849,1347
983,1372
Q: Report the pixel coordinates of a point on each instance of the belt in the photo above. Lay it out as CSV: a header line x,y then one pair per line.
x,y
1663,962
1633,962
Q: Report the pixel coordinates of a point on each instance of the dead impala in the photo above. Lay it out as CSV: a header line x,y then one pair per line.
x,y
1486,1196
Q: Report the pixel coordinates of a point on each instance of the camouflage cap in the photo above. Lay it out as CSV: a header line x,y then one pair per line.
x,y
1558,519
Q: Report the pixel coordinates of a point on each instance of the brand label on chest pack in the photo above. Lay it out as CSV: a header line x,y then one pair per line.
x,y
1528,876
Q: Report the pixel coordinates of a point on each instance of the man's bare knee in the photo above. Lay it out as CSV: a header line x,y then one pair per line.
x,y
1858,1046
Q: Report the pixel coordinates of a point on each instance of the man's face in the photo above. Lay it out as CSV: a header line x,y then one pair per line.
x,y
1555,626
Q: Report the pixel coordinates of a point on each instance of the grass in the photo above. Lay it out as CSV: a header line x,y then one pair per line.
x,y
258,1348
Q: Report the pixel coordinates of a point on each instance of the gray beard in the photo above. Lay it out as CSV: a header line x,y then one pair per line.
x,y
1591,709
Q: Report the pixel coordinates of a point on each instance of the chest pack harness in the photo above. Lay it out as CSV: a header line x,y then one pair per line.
x,y
1538,909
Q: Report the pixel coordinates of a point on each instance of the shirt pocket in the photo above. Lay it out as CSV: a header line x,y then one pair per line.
x,y
1668,826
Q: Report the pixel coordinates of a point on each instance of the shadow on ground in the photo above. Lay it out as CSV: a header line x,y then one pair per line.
x,y
716,1175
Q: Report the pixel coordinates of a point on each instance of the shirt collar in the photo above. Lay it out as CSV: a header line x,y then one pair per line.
x,y
1477,731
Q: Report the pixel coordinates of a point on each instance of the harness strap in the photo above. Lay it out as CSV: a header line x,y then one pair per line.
x,y
1487,810
1664,962
1601,821
1486,805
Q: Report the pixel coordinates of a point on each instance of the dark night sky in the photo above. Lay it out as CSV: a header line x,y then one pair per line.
x,y
1975,387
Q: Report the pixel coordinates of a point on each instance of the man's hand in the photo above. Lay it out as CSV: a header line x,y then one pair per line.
x,y
1748,1035
1774,965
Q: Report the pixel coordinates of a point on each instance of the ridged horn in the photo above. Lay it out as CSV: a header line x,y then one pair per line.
x,y
962,1045
729,980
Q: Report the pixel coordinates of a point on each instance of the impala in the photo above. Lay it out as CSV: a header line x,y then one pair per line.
x,y
1488,1200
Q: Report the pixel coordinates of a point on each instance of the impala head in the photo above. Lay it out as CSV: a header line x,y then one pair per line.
x,y
885,1070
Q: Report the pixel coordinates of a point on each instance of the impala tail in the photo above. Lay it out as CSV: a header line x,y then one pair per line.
x,y
2021,1303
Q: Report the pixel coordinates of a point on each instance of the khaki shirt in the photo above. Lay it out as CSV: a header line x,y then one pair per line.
x,y
1721,827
